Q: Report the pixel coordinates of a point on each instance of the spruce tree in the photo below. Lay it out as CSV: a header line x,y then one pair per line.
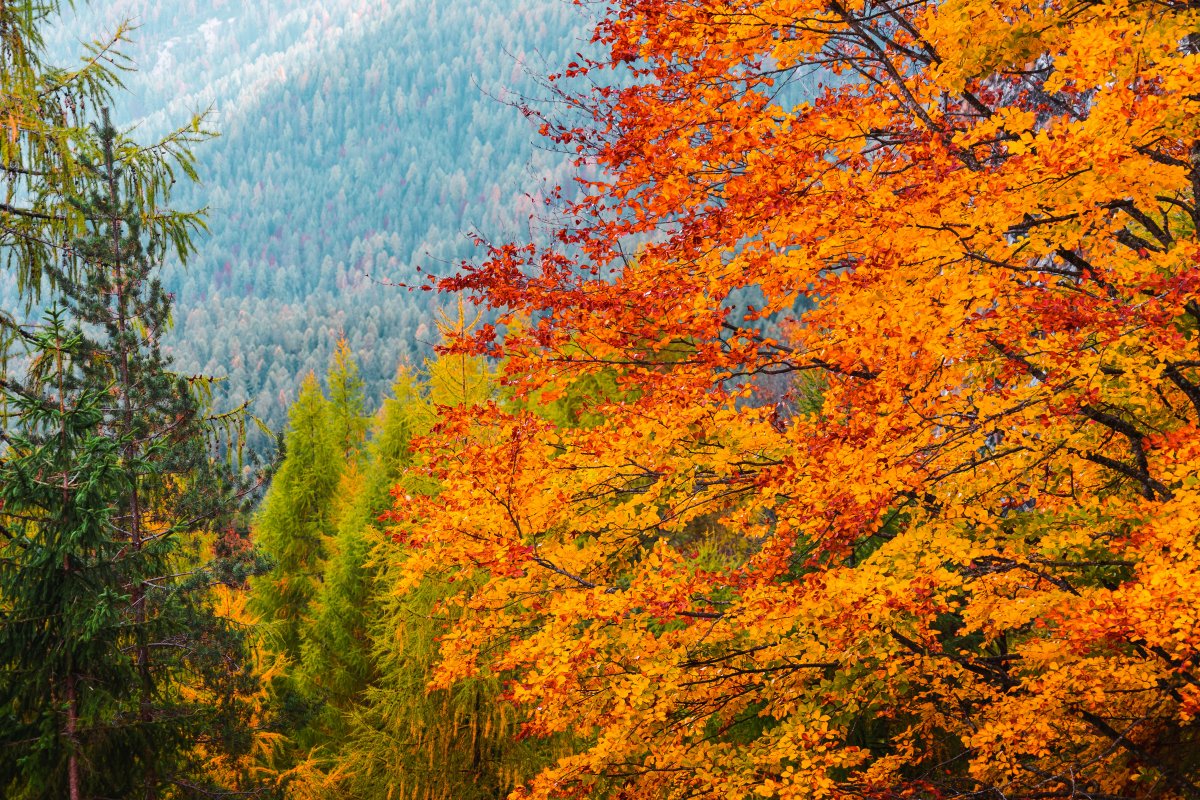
x,y
162,672
63,581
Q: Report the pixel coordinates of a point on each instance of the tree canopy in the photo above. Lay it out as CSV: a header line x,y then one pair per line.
x,y
957,557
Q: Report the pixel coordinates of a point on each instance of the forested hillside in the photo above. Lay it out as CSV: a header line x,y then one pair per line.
x,y
359,140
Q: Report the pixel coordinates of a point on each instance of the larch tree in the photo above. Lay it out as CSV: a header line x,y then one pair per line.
x,y
296,521
965,556
348,401
44,112
395,737
338,660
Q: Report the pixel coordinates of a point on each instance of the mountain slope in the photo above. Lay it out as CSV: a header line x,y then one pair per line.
x,y
359,141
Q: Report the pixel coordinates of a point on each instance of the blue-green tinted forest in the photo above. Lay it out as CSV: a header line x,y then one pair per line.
x,y
358,142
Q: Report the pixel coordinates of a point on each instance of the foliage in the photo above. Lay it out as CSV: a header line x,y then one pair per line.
x,y
841,444
47,145
962,562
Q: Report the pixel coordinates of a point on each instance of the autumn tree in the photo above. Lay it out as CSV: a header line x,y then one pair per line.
x,y
964,560
45,110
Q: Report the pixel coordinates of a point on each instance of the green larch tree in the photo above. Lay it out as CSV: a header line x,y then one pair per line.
x,y
338,662
348,402
455,379
403,740
296,521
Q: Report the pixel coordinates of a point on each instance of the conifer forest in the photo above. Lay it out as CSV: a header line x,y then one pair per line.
x,y
600,400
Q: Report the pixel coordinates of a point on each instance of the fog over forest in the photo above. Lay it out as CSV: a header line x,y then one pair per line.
x,y
359,139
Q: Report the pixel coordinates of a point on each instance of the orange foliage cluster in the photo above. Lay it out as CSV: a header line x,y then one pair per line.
x,y
958,557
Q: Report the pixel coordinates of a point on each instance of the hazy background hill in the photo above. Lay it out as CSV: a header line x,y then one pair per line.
x,y
360,139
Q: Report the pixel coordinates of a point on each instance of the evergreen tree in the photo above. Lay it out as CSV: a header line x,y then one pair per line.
x,y
160,671
294,527
359,716
63,582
